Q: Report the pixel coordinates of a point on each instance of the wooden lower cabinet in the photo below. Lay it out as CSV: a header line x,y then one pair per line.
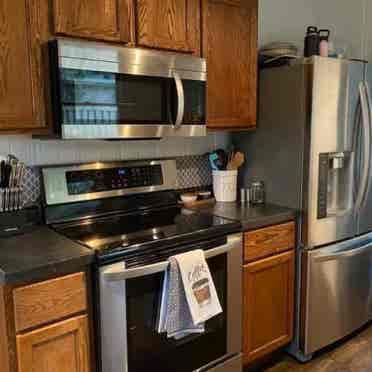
x,y
268,303
61,347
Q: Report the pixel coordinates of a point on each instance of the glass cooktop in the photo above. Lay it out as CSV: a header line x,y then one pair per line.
x,y
124,233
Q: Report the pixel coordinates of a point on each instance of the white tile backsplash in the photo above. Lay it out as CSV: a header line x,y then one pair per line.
x,y
41,152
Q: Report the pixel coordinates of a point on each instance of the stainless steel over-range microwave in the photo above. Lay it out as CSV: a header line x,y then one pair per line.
x,y
101,91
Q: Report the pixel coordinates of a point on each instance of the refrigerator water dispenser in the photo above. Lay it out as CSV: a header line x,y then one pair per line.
x,y
334,188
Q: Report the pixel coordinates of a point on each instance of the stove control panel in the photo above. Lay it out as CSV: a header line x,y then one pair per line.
x,y
110,179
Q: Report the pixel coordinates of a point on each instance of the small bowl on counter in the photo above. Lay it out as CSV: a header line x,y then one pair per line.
x,y
189,198
197,199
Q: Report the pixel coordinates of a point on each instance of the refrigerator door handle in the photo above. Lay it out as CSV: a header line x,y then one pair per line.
x,y
369,100
353,251
363,91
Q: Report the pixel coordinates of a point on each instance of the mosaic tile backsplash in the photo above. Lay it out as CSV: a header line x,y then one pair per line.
x,y
31,187
192,172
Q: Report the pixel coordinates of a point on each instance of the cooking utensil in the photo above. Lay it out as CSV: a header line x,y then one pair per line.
x,y
7,173
2,174
218,160
222,159
2,191
11,175
236,162
11,159
213,161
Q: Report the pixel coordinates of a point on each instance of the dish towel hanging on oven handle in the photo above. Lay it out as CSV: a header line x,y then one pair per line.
x,y
189,297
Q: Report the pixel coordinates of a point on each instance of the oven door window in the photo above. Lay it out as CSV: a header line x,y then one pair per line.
x,y
91,97
147,349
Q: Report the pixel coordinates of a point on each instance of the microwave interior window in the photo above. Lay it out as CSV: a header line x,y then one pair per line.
x,y
91,97
195,92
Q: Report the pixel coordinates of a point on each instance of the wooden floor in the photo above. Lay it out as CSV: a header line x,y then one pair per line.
x,y
354,355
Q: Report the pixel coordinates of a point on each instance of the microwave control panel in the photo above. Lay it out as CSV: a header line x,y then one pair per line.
x,y
100,180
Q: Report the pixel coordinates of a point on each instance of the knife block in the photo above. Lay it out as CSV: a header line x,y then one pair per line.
x,y
19,222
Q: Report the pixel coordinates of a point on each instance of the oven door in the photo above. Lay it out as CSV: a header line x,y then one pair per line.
x,y
129,304
140,95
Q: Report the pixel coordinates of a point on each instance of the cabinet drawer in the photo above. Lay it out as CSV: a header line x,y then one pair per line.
x,y
49,301
268,241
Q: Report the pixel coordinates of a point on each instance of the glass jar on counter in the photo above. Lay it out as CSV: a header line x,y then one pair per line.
x,y
257,193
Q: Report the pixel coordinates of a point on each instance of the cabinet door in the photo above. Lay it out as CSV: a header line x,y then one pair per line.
x,y
169,24
95,19
230,46
268,302
21,83
60,347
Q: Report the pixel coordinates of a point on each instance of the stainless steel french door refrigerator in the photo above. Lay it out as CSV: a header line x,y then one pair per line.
x,y
312,148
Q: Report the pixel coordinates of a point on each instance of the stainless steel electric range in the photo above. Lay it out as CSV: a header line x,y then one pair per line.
x,y
129,214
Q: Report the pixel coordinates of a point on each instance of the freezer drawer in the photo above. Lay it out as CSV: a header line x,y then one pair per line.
x,y
338,296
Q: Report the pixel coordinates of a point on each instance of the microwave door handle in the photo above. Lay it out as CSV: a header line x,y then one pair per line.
x,y
366,147
115,275
181,100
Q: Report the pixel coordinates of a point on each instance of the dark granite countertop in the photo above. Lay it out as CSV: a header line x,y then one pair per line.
x,y
43,252
252,217
38,254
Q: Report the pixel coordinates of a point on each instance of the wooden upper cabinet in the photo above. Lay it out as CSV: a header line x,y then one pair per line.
x,y
21,82
61,347
230,32
168,24
268,305
95,19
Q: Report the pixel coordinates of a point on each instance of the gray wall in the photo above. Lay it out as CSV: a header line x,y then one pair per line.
x,y
367,40
37,152
287,20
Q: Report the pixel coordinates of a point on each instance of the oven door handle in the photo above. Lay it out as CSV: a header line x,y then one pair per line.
x,y
115,274
181,100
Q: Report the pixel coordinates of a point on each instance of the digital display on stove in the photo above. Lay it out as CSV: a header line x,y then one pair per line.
x,y
100,180
122,172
